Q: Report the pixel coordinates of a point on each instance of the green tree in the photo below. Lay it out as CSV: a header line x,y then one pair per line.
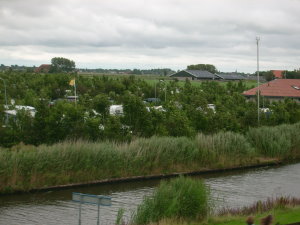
x,y
268,75
292,74
94,129
101,104
178,123
136,115
60,64
208,67
114,130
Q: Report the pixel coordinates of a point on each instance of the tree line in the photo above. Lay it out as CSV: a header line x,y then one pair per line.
x,y
185,111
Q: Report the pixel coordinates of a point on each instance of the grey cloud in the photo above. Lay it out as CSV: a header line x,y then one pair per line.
x,y
210,31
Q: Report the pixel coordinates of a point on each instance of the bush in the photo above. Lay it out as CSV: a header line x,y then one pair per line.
x,y
182,198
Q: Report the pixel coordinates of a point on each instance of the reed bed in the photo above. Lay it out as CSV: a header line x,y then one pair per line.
x,y
278,141
27,167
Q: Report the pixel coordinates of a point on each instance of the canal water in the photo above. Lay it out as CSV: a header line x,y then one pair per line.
x,y
230,189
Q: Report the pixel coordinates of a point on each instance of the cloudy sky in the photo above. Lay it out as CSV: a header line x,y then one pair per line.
x,y
152,33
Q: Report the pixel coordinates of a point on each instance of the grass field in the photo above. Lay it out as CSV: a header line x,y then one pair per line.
x,y
152,79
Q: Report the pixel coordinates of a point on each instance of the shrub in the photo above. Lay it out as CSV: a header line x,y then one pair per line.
x,y
182,198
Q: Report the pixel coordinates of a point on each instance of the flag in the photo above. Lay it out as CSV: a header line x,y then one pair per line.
x,y
72,82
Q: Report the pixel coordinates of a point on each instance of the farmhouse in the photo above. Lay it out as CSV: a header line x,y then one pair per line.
x,y
277,90
195,75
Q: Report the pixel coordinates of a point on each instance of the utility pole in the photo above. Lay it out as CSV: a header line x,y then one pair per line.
x,y
258,92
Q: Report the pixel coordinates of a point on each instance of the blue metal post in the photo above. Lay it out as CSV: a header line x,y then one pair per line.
x,y
98,215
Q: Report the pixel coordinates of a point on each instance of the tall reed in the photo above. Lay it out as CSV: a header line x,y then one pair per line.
x,y
182,198
278,141
26,167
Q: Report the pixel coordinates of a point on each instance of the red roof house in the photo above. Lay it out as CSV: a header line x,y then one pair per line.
x,y
44,68
277,89
278,74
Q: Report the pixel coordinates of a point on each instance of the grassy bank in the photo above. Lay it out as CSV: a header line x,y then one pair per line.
x,y
185,200
281,216
284,210
28,167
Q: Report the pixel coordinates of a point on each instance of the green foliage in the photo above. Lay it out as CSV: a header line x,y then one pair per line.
x,y
119,219
292,74
60,64
136,115
101,104
185,113
207,67
268,75
181,198
176,117
275,141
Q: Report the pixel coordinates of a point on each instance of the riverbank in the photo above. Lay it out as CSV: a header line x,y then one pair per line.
x,y
25,168
266,163
282,216
284,210
188,201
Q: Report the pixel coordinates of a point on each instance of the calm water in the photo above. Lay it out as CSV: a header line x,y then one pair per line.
x,y
232,189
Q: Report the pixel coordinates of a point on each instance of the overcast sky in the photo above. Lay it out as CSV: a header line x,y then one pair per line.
x,y
152,33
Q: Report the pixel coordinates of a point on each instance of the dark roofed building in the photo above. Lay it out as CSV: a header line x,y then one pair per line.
x,y
277,89
231,76
44,68
195,75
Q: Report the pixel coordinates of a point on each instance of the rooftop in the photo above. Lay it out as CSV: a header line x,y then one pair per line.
x,y
201,74
278,88
231,76
278,73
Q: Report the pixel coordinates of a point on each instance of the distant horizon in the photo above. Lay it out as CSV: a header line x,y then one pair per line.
x,y
140,68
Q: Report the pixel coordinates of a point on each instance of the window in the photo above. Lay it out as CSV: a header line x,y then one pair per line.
x,y
296,87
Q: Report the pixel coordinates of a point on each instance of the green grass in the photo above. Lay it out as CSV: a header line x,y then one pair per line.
x,y
281,216
28,167
152,79
115,76
284,210
197,83
182,198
